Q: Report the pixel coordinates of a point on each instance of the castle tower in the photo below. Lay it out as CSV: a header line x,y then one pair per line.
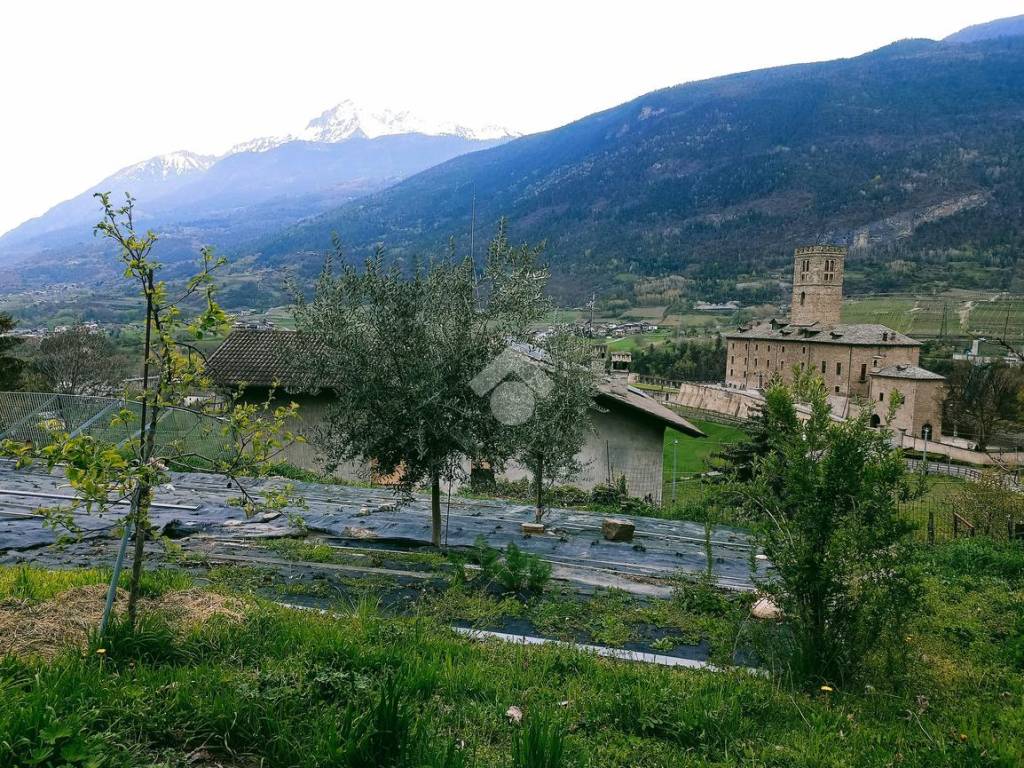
x,y
817,285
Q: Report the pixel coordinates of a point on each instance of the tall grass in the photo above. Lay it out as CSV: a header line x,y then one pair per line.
x,y
294,689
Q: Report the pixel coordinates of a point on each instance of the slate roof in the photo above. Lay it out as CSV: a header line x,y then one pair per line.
x,y
902,371
860,334
632,397
257,359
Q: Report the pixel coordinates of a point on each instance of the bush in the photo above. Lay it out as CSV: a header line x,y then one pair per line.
x,y
516,572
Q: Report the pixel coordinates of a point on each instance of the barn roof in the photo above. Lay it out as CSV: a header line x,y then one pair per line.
x,y
258,358
261,358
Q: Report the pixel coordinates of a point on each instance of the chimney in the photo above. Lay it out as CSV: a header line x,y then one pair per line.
x,y
620,372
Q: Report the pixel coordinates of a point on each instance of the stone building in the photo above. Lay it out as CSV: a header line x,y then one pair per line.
x,y
627,436
861,364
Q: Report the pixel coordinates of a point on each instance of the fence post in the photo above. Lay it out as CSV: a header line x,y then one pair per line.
x,y
931,526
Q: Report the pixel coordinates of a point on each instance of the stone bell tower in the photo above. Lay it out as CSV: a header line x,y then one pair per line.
x,y
817,285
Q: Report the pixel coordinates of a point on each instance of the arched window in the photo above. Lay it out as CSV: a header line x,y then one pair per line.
x,y
926,431
803,296
875,421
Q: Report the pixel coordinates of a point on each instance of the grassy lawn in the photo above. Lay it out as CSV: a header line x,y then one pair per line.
x,y
271,686
692,452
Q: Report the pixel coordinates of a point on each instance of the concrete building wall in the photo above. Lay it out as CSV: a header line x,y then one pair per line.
x,y
308,456
846,368
621,444
817,285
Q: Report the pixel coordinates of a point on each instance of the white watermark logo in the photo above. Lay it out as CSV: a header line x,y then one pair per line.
x,y
514,384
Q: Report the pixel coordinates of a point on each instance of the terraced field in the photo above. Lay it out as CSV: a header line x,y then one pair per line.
x,y
922,317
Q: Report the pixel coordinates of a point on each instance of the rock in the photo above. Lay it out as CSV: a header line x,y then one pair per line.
x,y
765,608
617,530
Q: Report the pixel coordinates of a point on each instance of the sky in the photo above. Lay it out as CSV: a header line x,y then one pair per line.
x,y
88,88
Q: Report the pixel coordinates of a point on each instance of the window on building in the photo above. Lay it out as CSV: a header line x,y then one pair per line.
x,y
863,371
881,397
755,362
926,431
839,369
822,366
803,297
837,389
730,371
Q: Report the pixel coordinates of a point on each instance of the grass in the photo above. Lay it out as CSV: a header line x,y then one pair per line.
x,y
692,453
288,688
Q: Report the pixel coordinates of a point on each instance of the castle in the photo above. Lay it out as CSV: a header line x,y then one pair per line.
x,y
861,363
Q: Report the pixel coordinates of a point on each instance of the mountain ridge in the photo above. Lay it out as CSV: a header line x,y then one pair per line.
x,y
713,177
159,178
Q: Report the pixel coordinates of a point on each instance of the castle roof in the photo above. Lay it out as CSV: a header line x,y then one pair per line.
x,y
905,371
859,334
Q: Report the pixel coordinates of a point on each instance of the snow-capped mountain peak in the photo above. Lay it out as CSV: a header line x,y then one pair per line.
x,y
180,163
347,120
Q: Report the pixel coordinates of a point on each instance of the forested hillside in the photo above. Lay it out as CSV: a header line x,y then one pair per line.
x,y
911,154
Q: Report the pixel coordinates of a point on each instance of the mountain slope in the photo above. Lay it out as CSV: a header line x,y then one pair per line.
x,y
916,146
1011,26
345,152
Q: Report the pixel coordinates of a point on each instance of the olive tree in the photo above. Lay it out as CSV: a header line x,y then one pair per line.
x,y
553,430
399,351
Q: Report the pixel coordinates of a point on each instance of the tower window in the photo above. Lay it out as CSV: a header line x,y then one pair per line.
x,y
863,371
839,369
822,366
803,297
881,396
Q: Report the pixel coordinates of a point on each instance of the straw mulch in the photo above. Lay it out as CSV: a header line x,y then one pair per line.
x,y
45,628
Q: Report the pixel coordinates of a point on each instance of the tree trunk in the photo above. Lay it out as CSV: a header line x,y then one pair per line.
x,y
141,515
435,508
538,477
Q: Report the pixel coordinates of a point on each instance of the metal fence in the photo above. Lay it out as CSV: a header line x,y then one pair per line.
x,y
30,416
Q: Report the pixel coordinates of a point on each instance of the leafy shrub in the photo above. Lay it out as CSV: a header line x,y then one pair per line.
x,y
980,556
517,571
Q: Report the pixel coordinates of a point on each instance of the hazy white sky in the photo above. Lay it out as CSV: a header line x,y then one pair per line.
x,y
89,87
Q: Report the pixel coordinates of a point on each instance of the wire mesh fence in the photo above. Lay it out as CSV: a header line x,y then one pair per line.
x,y
30,417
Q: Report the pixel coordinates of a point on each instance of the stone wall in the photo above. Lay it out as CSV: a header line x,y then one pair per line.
x,y
922,403
817,285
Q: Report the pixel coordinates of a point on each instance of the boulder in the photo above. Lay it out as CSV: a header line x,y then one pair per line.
x,y
765,608
617,530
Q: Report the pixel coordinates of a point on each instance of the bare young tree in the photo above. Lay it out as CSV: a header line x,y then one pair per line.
x,y
77,361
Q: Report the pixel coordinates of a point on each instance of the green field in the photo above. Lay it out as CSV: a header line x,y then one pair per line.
x,y
965,313
692,453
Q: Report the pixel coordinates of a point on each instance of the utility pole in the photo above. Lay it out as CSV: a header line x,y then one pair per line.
x,y
675,479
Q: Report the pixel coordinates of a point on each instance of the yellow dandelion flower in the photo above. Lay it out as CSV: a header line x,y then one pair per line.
x,y
101,651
